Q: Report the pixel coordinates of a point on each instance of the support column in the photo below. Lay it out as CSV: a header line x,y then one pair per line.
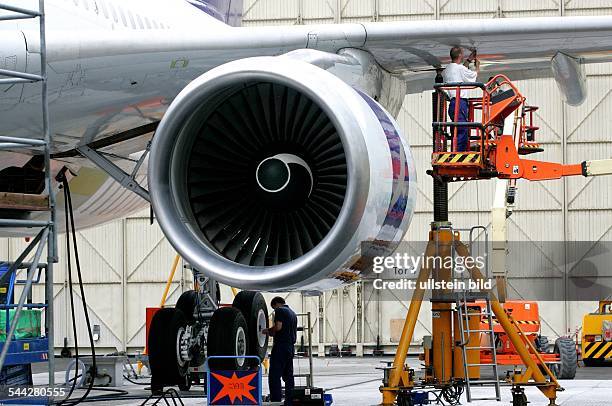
x,y
441,310
390,392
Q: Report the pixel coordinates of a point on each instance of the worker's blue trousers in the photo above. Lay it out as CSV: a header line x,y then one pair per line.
x,y
281,366
462,132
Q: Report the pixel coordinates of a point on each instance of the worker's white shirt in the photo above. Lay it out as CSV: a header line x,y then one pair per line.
x,y
455,73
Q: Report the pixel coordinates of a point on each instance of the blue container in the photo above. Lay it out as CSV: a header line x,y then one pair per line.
x,y
328,398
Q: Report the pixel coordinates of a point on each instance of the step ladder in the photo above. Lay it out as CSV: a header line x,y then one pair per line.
x,y
463,315
16,209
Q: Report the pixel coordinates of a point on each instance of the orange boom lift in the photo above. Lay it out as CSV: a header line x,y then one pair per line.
x,y
454,354
493,154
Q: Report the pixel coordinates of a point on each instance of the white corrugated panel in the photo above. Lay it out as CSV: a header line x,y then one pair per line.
x,y
409,10
593,193
454,9
148,260
588,7
529,8
266,10
357,10
317,11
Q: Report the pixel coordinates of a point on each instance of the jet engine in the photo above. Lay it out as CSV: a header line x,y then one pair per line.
x,y
268,173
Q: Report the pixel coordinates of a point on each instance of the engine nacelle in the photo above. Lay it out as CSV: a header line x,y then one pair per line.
x,y
268,173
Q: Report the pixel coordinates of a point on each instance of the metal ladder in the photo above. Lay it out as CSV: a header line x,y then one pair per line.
x,y
46,235
463,315
463,298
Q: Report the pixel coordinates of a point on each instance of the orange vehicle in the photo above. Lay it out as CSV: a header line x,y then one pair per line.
x,y
493,154
562,359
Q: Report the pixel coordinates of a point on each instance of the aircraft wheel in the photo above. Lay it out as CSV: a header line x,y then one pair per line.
x,y
228,335
187,303
253,307
165,332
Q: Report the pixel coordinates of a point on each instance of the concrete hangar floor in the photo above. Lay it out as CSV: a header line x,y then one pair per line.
x,y
354,381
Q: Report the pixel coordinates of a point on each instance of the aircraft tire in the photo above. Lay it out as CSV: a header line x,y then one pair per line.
x,y
253,307
163,358
228,335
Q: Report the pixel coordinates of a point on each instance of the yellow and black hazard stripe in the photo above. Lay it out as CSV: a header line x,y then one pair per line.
x,y
458,158
598,350
531,322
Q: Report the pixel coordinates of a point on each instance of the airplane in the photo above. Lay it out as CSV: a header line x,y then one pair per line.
x,y
268,154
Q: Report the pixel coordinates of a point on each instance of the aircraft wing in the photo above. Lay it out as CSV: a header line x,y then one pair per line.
x,y
522,48
519,47
114,60
408,46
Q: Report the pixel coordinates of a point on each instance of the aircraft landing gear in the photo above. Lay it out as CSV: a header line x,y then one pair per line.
x,y
181,338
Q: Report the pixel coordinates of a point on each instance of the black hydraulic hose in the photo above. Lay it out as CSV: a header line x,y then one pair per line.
x,y
62,178
82,290
127,378
118,394
72,229
110,397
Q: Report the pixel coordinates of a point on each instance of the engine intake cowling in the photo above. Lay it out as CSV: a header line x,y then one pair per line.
x,y
267,173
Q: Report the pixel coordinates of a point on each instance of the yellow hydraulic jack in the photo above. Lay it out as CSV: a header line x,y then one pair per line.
x,y
399,382
399,378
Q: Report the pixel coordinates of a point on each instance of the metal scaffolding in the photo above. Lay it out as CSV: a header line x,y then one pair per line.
x,y
46,236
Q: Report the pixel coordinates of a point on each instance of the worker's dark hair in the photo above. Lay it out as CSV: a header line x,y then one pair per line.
x,y
455,52
277,300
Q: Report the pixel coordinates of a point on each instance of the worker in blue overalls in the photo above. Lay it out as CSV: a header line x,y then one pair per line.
x,y
458,71
284,332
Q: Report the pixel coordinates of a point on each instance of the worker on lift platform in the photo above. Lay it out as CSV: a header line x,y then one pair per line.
x,y
458,71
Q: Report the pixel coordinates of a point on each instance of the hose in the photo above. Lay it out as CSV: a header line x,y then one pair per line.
x,y
71,230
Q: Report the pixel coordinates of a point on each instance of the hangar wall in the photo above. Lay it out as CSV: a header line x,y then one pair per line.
x,y
126,263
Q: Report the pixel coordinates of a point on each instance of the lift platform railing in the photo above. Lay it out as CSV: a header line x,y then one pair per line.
x,y
446,92
486,112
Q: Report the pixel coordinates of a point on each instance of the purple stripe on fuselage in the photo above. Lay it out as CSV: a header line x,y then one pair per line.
x,y
227,11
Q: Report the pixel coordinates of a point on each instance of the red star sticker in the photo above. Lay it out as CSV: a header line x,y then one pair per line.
x,y
235,388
